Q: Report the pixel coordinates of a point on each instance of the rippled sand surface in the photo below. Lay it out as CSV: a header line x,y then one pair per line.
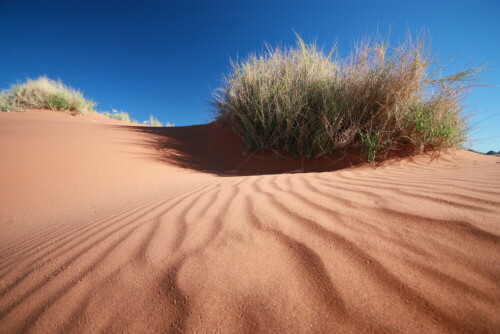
x,y
102,231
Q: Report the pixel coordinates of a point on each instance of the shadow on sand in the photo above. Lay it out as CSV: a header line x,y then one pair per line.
x,y
214,149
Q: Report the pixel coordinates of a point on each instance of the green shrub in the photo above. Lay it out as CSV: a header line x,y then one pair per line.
x,y
45,93
380,101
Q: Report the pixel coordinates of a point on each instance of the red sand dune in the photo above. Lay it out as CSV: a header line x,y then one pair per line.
x,y
107,227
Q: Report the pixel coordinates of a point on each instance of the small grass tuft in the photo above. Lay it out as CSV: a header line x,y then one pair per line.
x,y
118,115
152,121
124,117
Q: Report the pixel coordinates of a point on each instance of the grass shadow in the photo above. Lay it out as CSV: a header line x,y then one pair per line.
x,y
215,149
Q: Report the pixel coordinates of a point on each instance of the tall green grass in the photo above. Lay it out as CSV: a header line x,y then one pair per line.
x,y
378,101
44,93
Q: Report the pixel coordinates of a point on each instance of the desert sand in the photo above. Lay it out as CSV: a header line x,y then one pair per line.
x,y
110,227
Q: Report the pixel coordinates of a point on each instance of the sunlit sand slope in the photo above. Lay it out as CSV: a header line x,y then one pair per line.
x,y
101,235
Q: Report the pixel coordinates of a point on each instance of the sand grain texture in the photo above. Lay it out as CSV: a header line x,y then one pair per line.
x,y
111,228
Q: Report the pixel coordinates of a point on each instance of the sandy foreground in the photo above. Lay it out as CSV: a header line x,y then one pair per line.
x,y
113,228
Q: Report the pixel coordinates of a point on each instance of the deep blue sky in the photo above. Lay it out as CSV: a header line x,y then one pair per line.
x,y
165,57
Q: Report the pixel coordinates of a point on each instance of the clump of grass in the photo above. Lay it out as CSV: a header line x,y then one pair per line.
x,y
118,115
44,93
379,101
153,121
124,117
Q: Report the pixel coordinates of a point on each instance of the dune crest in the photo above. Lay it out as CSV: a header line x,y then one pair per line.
x,y
111,228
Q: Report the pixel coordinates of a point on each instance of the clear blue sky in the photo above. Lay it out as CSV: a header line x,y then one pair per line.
x,y
165,57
